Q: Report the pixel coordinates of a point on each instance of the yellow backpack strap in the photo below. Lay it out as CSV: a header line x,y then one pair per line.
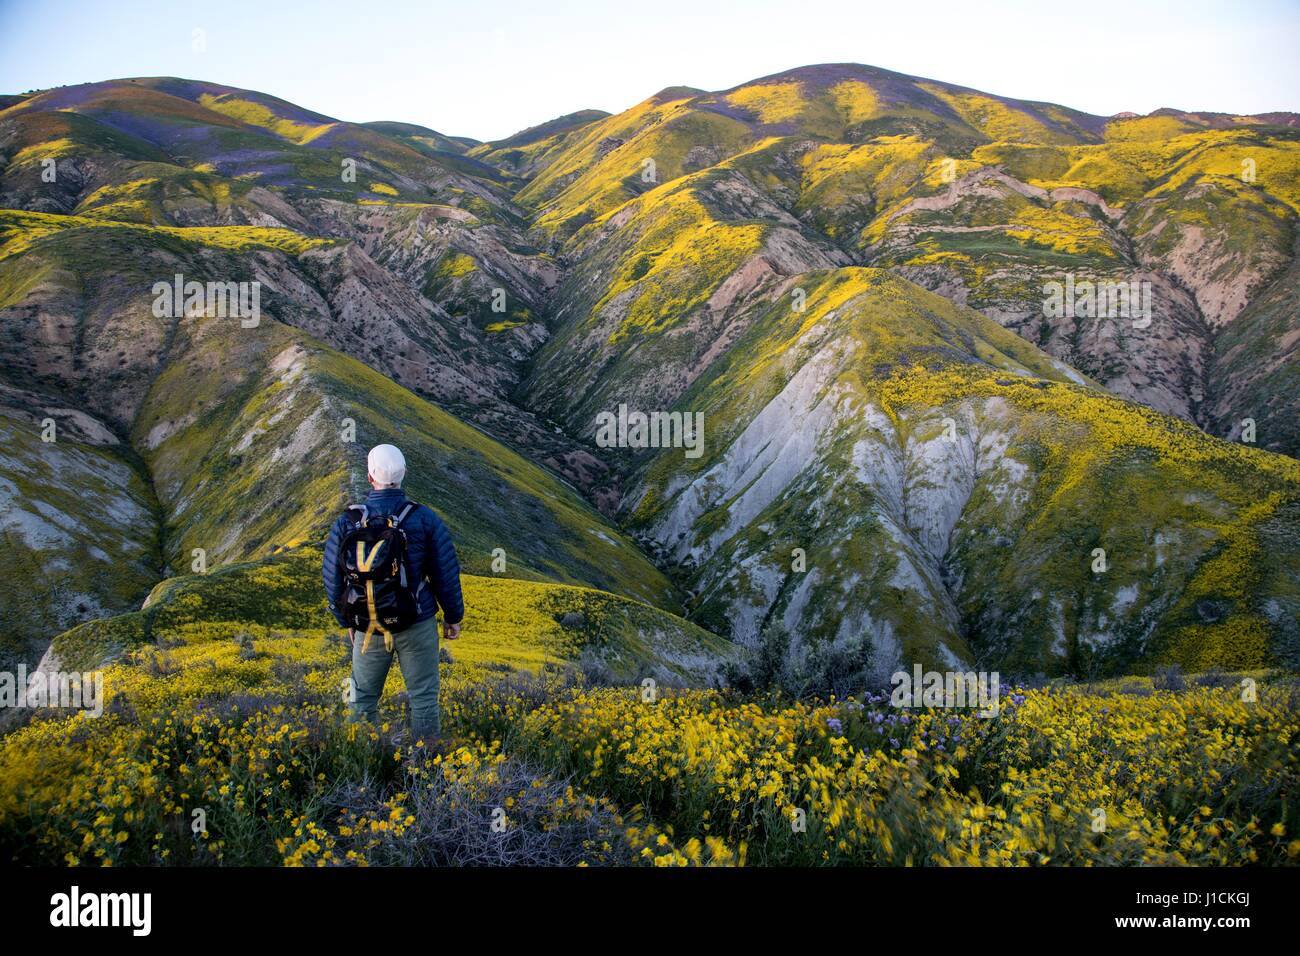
x,y
364,563
374,624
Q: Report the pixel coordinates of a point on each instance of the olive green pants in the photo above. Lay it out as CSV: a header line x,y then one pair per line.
x,y
416,649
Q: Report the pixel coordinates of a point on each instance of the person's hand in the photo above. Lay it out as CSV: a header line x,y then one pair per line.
x,y
450,631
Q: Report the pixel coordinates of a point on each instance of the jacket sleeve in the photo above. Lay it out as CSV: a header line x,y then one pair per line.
x,y
442,568
332,573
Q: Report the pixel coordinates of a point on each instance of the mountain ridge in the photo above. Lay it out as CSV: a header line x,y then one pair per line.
x,y
653,258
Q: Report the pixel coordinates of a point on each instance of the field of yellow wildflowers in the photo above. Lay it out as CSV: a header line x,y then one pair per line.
x,y
225,751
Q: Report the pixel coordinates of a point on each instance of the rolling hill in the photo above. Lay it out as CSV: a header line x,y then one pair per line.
x,y
842,268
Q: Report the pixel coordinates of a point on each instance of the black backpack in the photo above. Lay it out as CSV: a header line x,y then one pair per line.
x,y
376,594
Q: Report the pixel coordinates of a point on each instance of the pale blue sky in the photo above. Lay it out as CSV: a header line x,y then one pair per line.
x,y
486,69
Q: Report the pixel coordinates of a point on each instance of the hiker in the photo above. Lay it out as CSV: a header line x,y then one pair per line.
x,y
389,566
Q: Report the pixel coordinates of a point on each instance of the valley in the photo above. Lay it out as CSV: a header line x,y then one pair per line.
x,y
842,269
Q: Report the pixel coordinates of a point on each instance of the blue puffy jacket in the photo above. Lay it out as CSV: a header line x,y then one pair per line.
x,y
430,558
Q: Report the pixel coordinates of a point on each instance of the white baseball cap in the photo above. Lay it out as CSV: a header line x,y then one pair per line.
x,y
386,465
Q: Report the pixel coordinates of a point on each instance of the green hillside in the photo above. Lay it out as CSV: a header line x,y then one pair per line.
x,y
945,460
675,651
947,484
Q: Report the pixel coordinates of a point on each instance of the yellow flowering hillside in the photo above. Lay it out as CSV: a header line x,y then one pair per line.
x,y
227,744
